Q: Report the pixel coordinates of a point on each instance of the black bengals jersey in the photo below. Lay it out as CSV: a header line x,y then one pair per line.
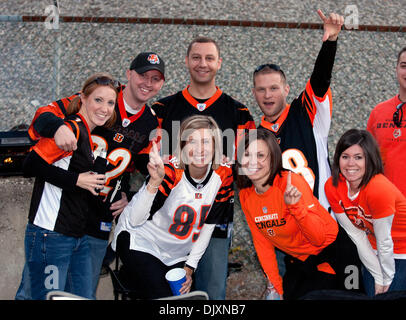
x,y
232,117
56,203
125,145
303,127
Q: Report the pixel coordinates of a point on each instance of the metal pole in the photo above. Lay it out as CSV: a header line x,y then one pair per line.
x,y
57,59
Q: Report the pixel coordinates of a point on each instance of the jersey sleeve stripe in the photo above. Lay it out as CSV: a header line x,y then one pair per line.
x,y
224,197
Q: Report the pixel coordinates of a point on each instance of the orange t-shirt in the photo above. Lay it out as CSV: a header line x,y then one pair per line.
x,y
391,140
300,230
378,199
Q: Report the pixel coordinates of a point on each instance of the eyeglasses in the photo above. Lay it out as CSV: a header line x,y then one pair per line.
x,y
271,66
397,120
105,81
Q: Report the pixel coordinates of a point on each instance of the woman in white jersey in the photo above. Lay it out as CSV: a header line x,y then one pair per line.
x,y
169,222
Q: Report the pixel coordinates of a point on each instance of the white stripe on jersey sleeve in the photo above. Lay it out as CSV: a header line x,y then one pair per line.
x,y
384,245
47,212
321,128
365,251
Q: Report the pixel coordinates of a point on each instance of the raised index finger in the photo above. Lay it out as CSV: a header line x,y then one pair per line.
x,y
154,150
289,180
321,15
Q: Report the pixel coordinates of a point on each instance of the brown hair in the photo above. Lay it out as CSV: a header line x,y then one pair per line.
x,y
400,53
202,39
373,161
94,81
275,157
267,69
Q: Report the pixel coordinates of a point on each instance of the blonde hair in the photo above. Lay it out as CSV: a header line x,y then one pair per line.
x,y
89,86
200,122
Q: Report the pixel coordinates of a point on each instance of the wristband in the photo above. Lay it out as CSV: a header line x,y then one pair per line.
x,y
152,186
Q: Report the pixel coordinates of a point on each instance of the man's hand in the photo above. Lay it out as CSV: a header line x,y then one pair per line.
x,y
118,206
332,25
65,139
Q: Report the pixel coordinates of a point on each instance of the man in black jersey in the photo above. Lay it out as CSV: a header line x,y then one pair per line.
x,y
125,146
302,127
203,97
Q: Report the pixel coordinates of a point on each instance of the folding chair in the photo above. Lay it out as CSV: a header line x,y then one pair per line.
x,y
119,282
62,295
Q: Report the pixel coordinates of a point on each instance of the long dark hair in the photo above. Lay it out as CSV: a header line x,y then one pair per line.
x,y
275,157
373,160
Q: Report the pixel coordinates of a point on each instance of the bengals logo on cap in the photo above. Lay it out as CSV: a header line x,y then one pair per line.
x,y
153,59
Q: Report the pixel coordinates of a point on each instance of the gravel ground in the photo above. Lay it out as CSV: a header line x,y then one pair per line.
x,y
39,65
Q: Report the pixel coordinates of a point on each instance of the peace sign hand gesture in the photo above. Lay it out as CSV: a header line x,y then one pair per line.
x,y
292,195
155,168
332,25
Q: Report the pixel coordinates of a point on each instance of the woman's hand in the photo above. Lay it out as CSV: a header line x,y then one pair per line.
x,y
380,289
292,195
91,181
188,283
155,168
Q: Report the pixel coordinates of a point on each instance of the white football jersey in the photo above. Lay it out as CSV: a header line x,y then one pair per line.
x,y
180,208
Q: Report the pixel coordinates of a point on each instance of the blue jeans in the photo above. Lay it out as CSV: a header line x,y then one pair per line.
x,y
24,290
97,252
211,272
54,259
398,282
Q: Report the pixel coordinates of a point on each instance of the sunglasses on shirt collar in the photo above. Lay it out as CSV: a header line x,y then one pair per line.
x,y
398,115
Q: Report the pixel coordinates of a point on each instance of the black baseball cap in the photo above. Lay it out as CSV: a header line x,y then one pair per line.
x,y
146,61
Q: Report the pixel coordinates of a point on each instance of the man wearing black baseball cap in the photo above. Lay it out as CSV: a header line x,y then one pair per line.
x,y
146,61
126,145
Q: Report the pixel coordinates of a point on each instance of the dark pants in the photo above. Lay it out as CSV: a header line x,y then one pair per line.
x,y
342,254
143,273
302,277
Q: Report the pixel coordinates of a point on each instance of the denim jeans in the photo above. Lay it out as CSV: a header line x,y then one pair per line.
x,y
54,259
97,252
24,290
211,272
398,282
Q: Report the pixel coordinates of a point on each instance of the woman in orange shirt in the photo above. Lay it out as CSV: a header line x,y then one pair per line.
x,y
371,209
283,213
